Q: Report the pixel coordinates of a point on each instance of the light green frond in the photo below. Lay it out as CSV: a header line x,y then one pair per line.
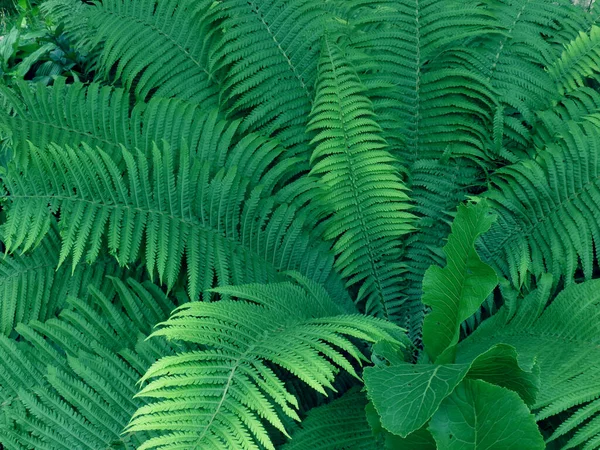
x,y
224,394
435,110
578,61
361,189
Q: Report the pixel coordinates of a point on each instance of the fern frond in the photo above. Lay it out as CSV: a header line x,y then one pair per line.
x,y
361,187
441,109
582,104
268,53
397,44
339,424
562,336
222,395
69,114
548,214
32,289
155,50
578,62
69,382
224,223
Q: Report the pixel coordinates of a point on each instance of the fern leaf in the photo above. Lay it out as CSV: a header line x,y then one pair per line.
x,y
577,62
156,50
222,395
69,382
32,289
69,114
339,424
269,53
232,226
361,188
548,218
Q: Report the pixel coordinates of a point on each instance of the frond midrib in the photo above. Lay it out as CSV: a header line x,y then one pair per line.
x,y
69,130
189,223
236,365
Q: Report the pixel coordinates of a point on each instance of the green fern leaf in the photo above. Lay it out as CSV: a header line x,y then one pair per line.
x,y
221,395
547,213
166,211
156,50
361,188
341,424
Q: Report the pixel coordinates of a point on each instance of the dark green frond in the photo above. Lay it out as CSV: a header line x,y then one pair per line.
x,y
268,52
100,116
69,382
155,49
549,211
225,224
341,424
32,289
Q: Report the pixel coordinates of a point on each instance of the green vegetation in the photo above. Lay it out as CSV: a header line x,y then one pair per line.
x,y
299,225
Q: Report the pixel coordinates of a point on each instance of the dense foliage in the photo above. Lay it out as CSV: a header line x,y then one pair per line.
x,y
300,224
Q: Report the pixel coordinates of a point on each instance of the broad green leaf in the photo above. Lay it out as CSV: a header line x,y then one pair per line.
x,y
455,292
479,415
500,366
406,395
418,440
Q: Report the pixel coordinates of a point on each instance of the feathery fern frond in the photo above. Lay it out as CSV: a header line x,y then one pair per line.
x,y
548,217
578,62
440,107
226,225
155,49
563,338
514,60
69,382
399,41
361,187
69,114
579,105
341,424
268,52
222,395
32,289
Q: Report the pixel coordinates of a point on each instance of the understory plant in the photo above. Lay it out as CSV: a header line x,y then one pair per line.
x,y
303,224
